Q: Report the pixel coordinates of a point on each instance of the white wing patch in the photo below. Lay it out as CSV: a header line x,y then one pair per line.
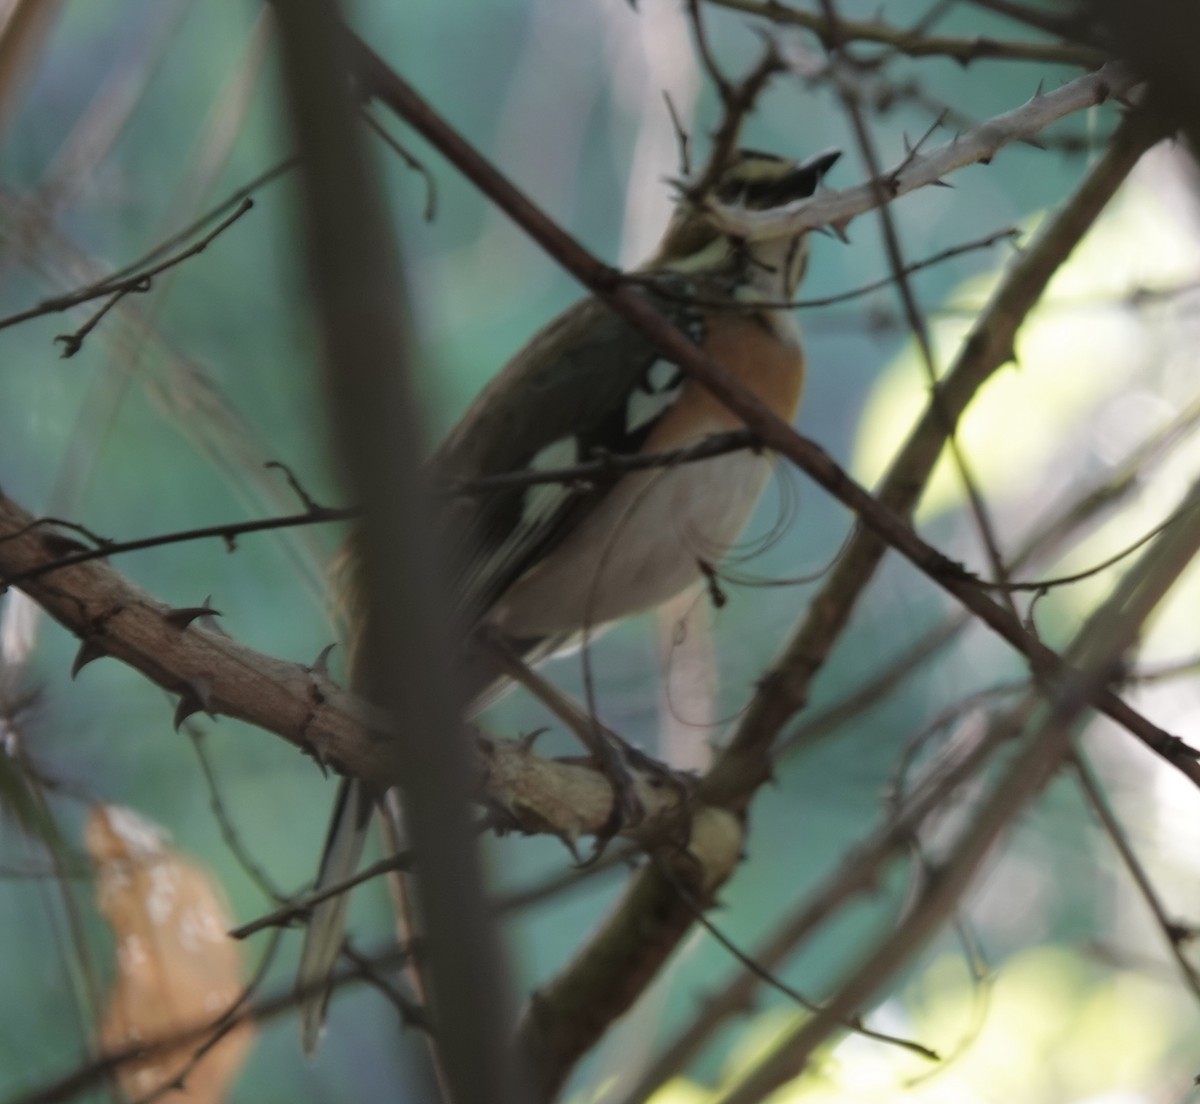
x,y
541,499
657,391
538,507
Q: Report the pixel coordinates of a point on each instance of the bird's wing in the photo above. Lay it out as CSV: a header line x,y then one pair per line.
x,y
589,383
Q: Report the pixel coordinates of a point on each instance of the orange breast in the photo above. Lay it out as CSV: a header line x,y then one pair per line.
x,y
770,368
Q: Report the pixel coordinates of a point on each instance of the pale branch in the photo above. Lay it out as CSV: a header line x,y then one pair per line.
x,y
1008,234
211,672
962,49
976,146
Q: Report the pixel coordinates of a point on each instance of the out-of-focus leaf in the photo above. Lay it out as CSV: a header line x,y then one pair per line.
x,y
177,970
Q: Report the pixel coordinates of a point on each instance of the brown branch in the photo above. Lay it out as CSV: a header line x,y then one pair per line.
x,y
1051,22
228,532
858,873
840,59
963,50
1127,146
1055,712
1102,496
989,345
606,466
737,101
566,1018
1173,932
210,671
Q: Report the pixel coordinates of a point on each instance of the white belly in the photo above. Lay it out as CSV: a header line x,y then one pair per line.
x,y
639,547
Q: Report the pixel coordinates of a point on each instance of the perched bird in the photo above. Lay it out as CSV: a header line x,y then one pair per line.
x,y
534,566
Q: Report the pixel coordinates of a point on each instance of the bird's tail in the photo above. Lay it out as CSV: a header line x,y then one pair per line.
x,y
485,682
327,922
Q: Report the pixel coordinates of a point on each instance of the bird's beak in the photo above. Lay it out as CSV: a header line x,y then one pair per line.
x,y
802,181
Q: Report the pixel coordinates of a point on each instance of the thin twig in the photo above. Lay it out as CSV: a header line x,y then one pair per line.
x,y
410,161
1173,933
300,907
117,288
853,1023
909,42
229,833
607,466
916,320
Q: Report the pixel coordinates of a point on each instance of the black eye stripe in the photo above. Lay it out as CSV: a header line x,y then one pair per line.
x,y
770,193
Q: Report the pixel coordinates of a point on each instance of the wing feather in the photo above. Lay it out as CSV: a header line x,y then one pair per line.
x,y
588,382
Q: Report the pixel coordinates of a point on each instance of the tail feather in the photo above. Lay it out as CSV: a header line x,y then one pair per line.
x,y
326,930
485,683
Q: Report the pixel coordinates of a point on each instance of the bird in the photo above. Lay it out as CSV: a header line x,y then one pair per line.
x,y
537,565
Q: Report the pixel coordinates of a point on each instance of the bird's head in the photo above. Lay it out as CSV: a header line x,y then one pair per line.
x,y
756,182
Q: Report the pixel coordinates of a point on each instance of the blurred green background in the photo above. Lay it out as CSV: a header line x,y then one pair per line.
x,y
139,114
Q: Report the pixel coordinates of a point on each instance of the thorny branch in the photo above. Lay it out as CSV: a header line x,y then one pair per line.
x,y
1046,720
102,623
608,993
391,89
177,649
839,208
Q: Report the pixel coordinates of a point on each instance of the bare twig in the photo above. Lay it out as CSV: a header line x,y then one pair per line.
x,y
916,320
602,468
410,161
300,907
1173,933
1096,652
116,288
913,43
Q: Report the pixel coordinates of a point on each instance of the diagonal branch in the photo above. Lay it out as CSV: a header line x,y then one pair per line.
x,y
567,1017
977,146
985,350
1096,653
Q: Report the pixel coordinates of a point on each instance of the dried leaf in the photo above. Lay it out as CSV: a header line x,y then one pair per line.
x,y
177,970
